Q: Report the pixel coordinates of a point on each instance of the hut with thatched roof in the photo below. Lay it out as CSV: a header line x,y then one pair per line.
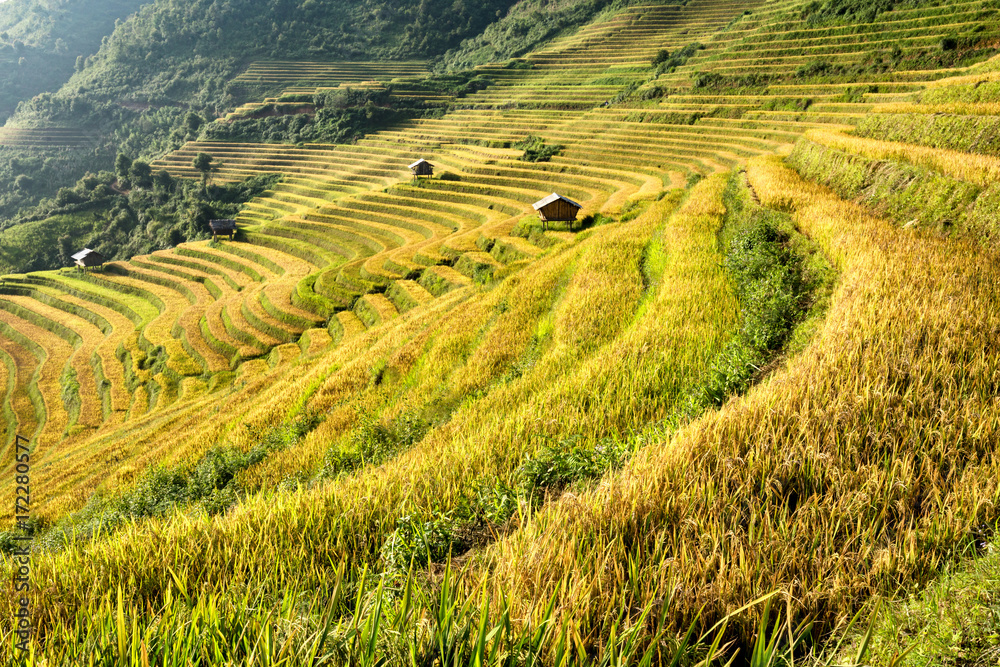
x,y
226,227
556,208
87,258
422,168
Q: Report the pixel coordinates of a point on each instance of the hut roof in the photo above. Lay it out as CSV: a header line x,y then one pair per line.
x,y
225,225
420,162
88,257
542,203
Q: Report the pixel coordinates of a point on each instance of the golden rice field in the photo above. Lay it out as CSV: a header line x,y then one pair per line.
x,y
398,422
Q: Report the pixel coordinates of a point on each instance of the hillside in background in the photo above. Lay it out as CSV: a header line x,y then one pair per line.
x,y
40,43
747,397
138,82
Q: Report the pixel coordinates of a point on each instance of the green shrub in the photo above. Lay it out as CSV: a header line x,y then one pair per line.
x,y
745,83
778,276
554,467
419,540
535,149
496,501
432,537
374,442
815,68
664,63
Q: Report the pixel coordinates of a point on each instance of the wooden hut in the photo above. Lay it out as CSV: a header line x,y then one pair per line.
x,y
226,227
556,208
422,168
88,258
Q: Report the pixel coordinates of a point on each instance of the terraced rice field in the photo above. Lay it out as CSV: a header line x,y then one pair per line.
x,y
156,359
51,137
347,239
290,73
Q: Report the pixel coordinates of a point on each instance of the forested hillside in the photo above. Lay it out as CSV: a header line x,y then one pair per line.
x,y
43,43
732,401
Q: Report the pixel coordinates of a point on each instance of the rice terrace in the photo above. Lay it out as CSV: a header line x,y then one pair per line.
x,y
500,332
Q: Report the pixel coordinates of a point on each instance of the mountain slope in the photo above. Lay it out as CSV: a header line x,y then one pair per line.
x,y
41,41
398,420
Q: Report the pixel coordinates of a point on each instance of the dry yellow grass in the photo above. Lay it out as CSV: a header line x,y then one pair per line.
x,y
961,108
562,389
862,463
981,170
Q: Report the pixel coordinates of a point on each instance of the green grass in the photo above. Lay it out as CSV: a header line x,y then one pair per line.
x,y
955,620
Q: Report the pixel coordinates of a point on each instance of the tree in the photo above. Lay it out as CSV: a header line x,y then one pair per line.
x,y
67,197
163,180
193,122
141,174
65,250
88,182
123,163
204,163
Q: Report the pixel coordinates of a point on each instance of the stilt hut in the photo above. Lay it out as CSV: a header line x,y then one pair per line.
x,y
422,168
225,228
88,258
556,208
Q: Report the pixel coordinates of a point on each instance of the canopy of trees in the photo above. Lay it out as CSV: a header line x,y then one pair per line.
x,y
41,43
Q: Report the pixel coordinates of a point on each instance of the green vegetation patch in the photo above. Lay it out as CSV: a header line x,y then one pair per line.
x,y
780,278
536,150
912,195
421,538
665,62
980,92
971,134
853,11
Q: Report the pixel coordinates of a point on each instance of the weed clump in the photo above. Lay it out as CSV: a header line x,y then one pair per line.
x,y
374,442
665,63
421,538
418,541
553,468
535,149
